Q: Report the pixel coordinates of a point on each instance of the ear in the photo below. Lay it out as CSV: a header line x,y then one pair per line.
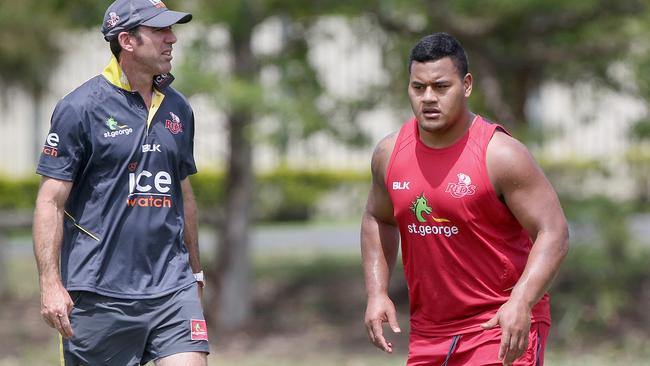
x,y
125,40
467,84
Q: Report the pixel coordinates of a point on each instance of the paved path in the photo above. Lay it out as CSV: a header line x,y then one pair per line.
x,y
326,237
339,237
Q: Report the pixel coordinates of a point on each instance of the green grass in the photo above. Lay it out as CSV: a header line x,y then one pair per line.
x,y
324,358
308,311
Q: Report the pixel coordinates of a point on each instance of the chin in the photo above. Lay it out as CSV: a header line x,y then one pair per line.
x,y
432,125
165,68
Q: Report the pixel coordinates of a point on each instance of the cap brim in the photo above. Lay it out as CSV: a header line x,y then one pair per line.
x,y
167,18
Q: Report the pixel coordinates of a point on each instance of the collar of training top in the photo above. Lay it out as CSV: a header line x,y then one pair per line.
x,y
114,74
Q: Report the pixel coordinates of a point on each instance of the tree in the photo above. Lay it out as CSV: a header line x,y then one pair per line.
x,y
27,48
28,53
292,99
638,156
514,46
31,43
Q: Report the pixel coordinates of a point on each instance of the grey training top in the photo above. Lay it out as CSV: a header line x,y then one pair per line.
x,y
123,231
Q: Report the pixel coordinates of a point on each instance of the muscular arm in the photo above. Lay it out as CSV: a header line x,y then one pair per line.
x,y
191,226
530,197
379,245
47,233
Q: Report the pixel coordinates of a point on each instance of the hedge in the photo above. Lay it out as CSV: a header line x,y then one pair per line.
x,y
280,195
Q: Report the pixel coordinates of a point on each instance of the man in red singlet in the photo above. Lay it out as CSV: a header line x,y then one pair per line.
x,y
481,228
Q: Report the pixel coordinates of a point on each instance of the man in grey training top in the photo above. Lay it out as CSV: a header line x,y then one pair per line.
x,y
115,224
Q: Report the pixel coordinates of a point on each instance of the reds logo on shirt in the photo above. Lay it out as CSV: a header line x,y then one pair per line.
x,y
463,188
174,125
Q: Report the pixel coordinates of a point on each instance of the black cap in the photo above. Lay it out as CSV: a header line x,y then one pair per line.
x,y
124,15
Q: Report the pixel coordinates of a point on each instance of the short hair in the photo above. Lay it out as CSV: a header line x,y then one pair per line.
x,y
114,43
437,46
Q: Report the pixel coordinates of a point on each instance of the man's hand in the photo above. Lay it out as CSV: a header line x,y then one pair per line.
x,y
381,310
514,319
56,305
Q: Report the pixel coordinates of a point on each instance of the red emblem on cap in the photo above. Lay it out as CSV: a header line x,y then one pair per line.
x,y
199,330
174,125
110,23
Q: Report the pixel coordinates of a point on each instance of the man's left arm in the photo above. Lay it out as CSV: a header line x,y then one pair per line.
x,y
520,182
191,229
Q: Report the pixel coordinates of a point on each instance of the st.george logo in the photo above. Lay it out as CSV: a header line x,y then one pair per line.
x,y
112,124
420,207
440,225
463,188
116,129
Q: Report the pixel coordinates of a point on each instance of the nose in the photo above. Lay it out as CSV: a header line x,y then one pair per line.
x,y
429,96
170,36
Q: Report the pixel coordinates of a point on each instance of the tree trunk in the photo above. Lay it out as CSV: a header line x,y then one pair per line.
x,y
234,299
4,248
231,303
493,93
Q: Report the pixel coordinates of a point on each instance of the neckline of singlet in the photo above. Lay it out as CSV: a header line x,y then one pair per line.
x,y
459,144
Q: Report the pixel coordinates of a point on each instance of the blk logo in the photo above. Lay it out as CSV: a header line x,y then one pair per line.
x,y
398,186
151,148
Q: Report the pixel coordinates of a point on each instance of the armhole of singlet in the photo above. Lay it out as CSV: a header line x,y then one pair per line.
x,y
397,147
494,127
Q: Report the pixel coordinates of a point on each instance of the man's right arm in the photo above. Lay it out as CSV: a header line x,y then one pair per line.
x,y
379,246
47,233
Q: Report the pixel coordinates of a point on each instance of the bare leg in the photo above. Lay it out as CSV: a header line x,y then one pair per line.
x,y
183,359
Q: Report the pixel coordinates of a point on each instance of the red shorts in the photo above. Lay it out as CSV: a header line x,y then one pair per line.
x,y
477,349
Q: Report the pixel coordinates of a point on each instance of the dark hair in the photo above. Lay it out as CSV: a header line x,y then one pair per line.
x,y
437,46
114,43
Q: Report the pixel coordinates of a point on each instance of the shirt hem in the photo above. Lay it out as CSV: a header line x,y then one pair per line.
x,y
469,329
54,175
121,295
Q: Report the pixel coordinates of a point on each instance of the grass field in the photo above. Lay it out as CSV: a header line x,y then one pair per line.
x,y
308,311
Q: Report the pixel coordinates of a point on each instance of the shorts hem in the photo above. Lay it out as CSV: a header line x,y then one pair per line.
x,y
180,349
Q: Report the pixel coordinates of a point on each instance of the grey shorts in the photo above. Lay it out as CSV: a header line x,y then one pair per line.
x,y
127,332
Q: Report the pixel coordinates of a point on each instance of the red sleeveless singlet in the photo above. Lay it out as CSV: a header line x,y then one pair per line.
x,y
462,248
